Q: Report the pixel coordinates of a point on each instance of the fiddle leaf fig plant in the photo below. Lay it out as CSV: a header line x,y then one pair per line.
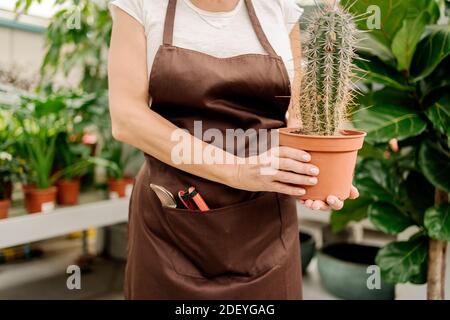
x,y
403,172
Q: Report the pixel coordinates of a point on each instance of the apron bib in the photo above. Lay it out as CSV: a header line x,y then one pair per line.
x,y
246,246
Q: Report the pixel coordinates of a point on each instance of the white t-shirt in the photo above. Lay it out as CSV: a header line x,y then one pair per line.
x,y
220,34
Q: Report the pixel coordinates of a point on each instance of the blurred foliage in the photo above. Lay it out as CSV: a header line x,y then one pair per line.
x,y
405,109
77,40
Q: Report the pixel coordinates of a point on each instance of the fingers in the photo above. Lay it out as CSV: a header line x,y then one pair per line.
x,y
287,164
316,205
335,203
295,154
294,178
287,189
354,193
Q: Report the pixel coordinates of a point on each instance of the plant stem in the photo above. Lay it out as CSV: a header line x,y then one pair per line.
x,y
436,259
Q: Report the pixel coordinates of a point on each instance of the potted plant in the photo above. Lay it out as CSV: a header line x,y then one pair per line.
x,y
404,171
74,162
326,93
343,269
118,156
39,129
11,170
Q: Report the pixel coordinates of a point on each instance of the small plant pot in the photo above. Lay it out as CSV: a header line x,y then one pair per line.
x,y
68,192
344,272
4,208
335,156
41,200
307,249
117,188
26,188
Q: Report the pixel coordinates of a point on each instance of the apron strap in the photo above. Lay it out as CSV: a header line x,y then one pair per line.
x,y
259,30
170,19
168,24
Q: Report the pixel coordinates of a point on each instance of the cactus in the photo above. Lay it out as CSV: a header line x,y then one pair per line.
x,y
327,87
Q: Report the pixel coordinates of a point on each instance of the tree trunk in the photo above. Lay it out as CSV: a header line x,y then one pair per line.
x,y
436,260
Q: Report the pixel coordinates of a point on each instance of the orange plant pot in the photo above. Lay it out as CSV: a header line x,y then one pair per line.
x,y
4,208
335,156
68,192
117,188
40,200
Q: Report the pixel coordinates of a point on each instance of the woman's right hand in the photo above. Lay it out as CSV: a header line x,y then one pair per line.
x,y
283,170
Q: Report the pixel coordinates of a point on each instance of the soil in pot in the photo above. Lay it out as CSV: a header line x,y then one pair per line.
x,y
117,188
335,156
38,200
307,249
68,192
5,204
343,269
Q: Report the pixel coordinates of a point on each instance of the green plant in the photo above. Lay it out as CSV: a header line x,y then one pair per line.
x,y
327,81
39,126
76,38
11,170
404,171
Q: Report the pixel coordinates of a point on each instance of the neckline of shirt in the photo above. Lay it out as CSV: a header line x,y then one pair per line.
x,y
218,14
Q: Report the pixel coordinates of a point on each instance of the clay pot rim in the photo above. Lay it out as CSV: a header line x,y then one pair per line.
x,y
345,134
76,180
51,189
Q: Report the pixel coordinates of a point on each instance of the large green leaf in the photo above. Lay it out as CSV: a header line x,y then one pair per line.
x,y
355,210
439,115
392,13
405,41
435,165
434,48
388,218
384,122
374,69
373,181
403,261
437,222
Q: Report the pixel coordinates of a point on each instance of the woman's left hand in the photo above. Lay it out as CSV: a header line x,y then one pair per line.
x,y
332,203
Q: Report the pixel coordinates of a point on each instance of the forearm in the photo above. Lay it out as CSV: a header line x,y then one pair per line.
x,y
146,130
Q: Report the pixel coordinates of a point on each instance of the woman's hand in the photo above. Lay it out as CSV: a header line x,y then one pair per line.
x,y
332,202
283,170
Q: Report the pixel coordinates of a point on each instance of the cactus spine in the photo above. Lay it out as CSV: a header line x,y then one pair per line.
x,y
327,81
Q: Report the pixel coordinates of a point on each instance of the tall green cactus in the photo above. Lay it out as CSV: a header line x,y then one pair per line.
x,y
327,82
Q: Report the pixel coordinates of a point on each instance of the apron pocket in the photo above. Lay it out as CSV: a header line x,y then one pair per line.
x,y
244,239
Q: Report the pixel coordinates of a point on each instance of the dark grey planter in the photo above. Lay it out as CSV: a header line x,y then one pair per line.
x,y
307,249
343,270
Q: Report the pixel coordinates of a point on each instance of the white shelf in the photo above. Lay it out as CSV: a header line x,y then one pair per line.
x,y
34,227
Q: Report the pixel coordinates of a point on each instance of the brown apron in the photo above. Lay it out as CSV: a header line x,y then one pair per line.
x,y
246,246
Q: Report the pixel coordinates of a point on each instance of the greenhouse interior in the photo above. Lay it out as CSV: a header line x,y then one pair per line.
x,y
368,108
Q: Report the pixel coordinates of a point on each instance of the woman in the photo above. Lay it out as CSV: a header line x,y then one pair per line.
x,y
223,64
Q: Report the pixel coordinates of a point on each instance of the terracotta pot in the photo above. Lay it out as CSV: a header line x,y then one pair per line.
x,y
26,188
117,188
4,207
335,156
68,191
38,200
